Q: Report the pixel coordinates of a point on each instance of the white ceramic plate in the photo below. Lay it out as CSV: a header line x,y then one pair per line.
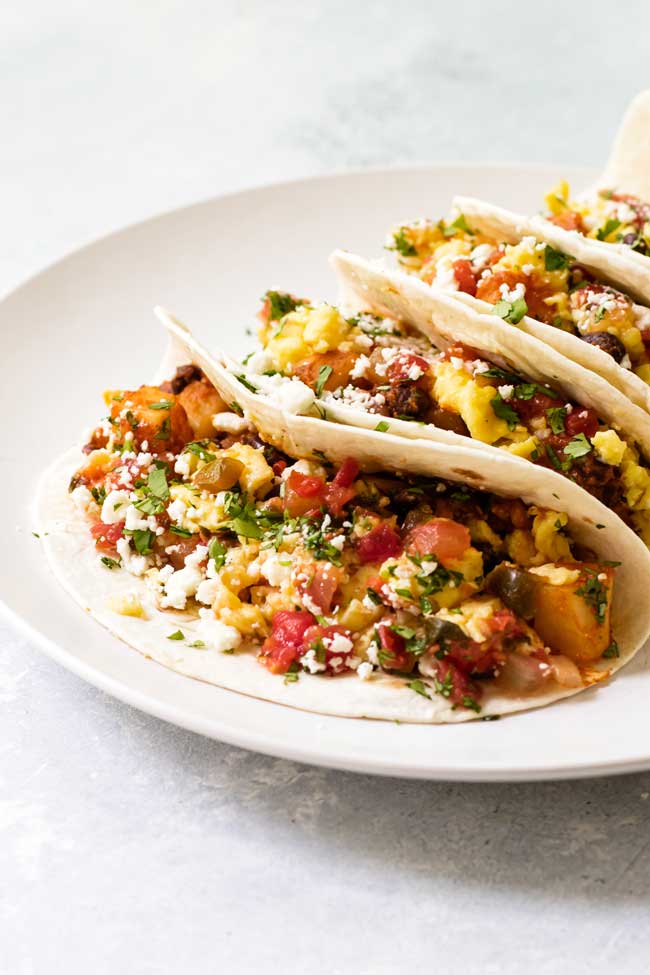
x,y
86,324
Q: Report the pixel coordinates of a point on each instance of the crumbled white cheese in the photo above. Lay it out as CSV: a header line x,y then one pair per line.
x,y
360,367
311,664
136,564
290,394
276,568
364,670
182,465
215,634
176,510
230,423
338,644
81,497
184,582
505,392
114,507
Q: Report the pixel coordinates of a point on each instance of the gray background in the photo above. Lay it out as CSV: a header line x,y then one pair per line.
x,y
128,845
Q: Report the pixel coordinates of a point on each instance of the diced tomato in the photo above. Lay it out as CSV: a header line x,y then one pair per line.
x,y
123,477
489,289
278,467
441,537
303,493
536,406
457,687
379,544
340,490
321,638
347,473
466,276
322,585
400,368
584,420
472,657
569,220
395,655
287,639
106,536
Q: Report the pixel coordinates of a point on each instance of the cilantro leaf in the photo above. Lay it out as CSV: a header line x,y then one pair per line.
x,y
280,304
511,311
324,374
402,244
504,411
217,551
178,635
382,426
578,446
460,223
419,687
556,415
608,228
555,260
110,563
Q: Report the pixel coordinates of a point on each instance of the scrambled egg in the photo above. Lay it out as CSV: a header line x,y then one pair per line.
x,y
302,333
456,390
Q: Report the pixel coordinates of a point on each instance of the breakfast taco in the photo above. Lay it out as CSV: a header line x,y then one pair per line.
x,y
546,281
418,364
332,569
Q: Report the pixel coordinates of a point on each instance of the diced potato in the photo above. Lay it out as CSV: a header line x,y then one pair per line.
x,y
127,604
149,415
574,618
201,401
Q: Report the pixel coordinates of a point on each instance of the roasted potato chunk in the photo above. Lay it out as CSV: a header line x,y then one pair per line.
x,y
573,618
201,401
340,363
153,417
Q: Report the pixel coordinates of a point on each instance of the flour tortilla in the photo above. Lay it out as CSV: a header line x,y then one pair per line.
x,y
73,558
612,264
448,319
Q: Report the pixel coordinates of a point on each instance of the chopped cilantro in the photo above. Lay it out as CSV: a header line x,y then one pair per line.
x,y
608,228
280,304
471,703
99,494
324,374
131,420
578,446
382,426
613,650
164,404
198,448
459,224
555,260
245,382
374,596
601,311
594,594
178,635
419,687
165,430
110,563
217,552
511,311
292,673
142,540
198,644
236,408
180,531
556,416
504,411
402,244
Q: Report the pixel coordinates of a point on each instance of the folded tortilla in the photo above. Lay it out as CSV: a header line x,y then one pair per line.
x,y
70,550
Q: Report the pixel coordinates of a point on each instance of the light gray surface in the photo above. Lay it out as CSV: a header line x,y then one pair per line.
x,y
125,844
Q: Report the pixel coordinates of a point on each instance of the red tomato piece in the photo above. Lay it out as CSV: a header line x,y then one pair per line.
x,y
287,639
106,536
395,656
583,420
457,687
466,276
380,544
303,493
340,490
322,586
442,537
322,638
400,367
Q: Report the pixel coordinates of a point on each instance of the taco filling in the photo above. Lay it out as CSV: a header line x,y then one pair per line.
x,y
605,215
527,278
383,367
333,572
